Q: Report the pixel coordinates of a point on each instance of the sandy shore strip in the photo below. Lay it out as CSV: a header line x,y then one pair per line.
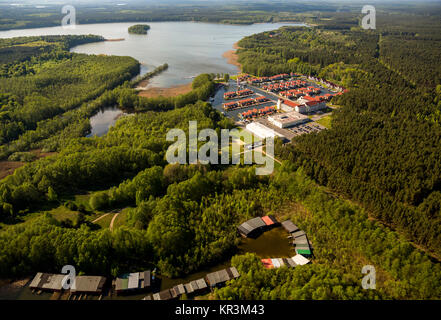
x,y
232,57
166,92
113,40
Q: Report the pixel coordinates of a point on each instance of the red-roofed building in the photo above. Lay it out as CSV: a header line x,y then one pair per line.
x,y
261,99
290,103
247,102
269,220
305,99
230,105
267,263
310,106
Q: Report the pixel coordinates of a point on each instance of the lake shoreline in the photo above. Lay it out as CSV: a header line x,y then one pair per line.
x,y
232,57
172,91
113,40
191,48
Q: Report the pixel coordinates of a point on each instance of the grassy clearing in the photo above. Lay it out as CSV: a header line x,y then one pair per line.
x,y
62,213
121,219
326,121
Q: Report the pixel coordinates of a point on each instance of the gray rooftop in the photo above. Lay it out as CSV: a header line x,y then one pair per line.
x,y
256,223
89,284
222,276
147,279
165,295
301,240
47,281
188,288
179,289
290,262
298,234
289,226
234,272
201,284
133,281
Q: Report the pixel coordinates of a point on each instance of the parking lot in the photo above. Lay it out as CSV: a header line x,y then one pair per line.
x,y
305,128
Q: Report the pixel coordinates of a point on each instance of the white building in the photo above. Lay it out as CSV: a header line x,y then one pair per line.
x,y
310,106
289,119
262,131
300,260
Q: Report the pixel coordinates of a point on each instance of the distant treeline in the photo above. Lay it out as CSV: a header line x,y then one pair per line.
x,y
327,15
29,17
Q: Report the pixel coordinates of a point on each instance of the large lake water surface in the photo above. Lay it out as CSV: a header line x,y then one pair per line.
x,y
188,48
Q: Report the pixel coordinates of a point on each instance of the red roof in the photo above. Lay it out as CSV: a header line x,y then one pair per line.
x,y
268,221
267,263
290,103
309,98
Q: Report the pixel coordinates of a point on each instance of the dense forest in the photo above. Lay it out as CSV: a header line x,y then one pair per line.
x,y
40,89
384,147
382,153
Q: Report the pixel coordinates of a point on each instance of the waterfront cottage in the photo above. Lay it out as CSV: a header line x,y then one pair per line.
x,y
290,226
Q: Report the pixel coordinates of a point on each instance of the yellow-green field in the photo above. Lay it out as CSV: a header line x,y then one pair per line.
x,y
326,121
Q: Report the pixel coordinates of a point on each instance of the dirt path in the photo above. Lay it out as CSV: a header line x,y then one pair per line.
x,y
99,218
113,220
8,167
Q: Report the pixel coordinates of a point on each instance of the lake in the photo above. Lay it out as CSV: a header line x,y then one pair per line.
x,y
103,120
189,48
